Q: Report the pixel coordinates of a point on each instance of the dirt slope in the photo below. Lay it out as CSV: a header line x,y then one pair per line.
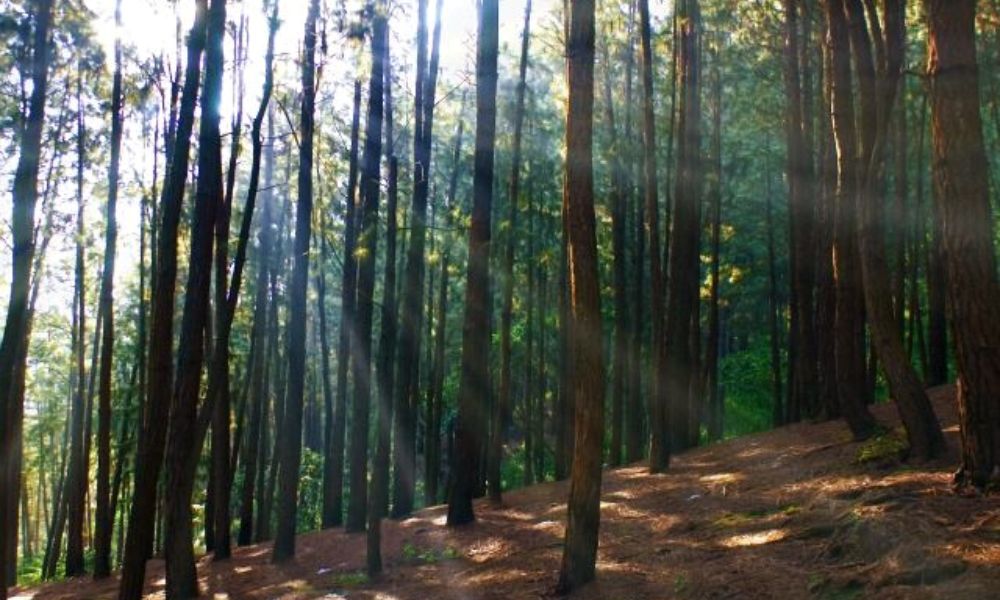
x,y
786,514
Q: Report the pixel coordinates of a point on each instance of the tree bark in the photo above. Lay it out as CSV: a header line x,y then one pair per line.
x,y
257,525
586,347
684,269
801,215
634,441
616,159
77,477
17,328
777,410
258,330
333,465
149,457
878,87
191,352
849,326
104,516
433,473
659,453
408,359
378,497
715,405
960,175
474,384
291,450
505,401
361,366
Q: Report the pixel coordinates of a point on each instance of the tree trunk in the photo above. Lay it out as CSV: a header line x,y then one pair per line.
x,y
105,518
77,478
849,326
149,457
826,298
635,445
218,395
378,497
505,401
586,348
256,526
937,320
564,417
227,302
659,454
333,465
683,274
801,214
432,476
715,405
616,159
960,175
25,197
191,351
361,366
408,359
474,383
777,412
291,450
877,96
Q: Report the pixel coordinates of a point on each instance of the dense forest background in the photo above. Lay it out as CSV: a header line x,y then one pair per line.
x,y
283,281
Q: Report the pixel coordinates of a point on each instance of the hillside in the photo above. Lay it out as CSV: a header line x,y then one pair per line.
x,y
791,513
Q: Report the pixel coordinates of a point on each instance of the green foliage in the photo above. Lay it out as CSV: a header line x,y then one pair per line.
x,y
310,491
414,553
29,570
680,584
512,469
890,445
746,379
731,519
349,580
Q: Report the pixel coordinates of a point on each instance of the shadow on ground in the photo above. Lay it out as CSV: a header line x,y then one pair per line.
x,y
792,513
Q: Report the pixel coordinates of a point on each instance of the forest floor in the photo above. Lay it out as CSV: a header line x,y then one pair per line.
x,y
798,512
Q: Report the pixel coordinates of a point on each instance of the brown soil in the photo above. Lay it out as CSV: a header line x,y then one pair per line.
x,y
786,514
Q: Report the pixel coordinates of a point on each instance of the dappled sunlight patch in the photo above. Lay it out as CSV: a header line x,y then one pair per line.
x,y
757,538
720,478
754,451
259,551
484,550
242,570
607,565
518,515
298,585
621,495
982,554
624,511
548,525
559,508
664,522
494,577
634,472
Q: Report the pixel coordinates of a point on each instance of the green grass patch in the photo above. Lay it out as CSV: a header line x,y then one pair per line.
x,y
737,519
414,553
352,579
890,445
